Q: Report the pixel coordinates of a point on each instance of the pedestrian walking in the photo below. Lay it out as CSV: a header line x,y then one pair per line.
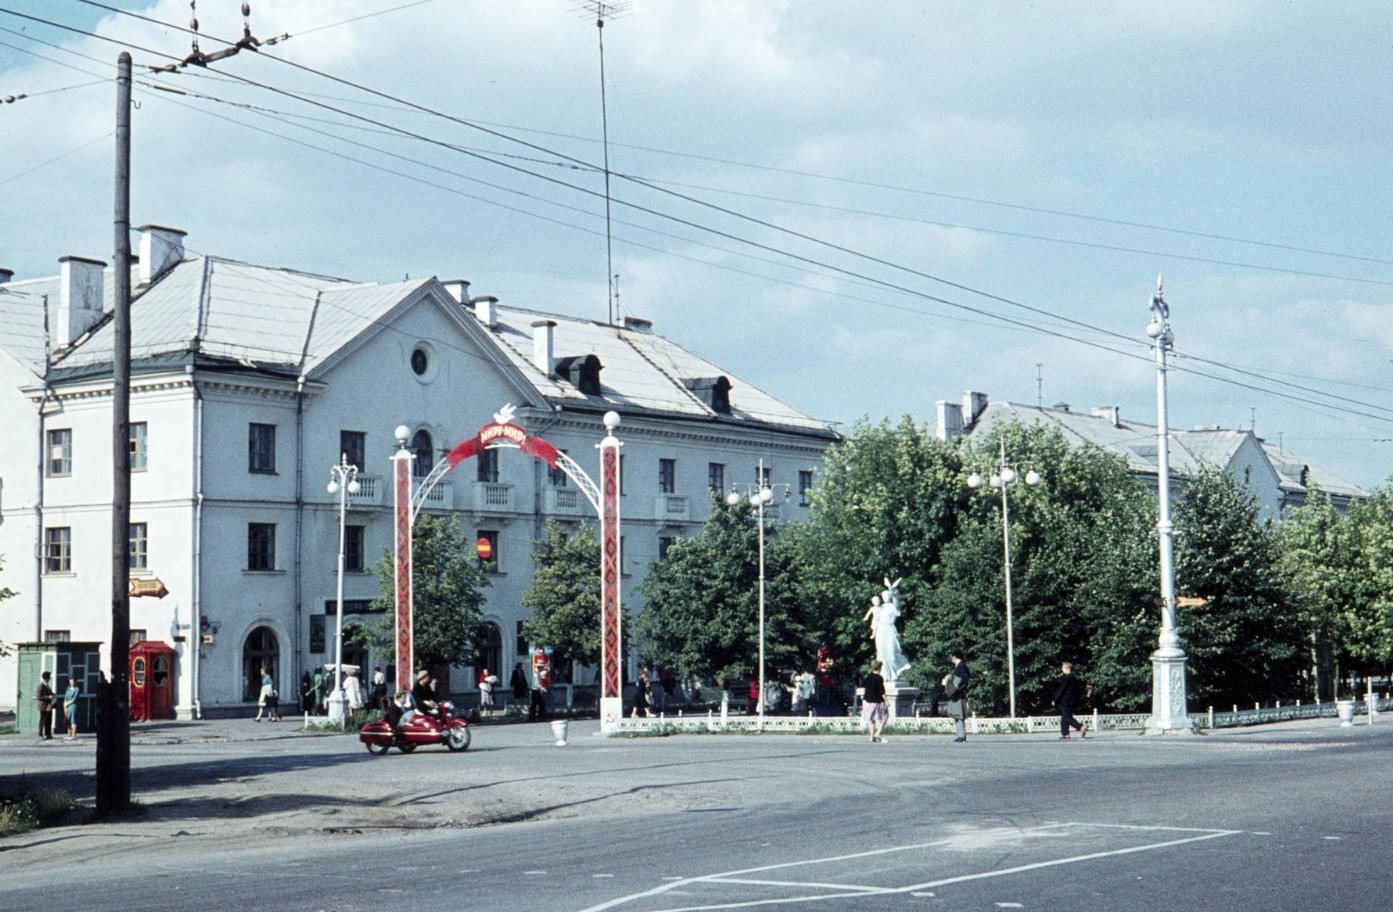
x,y
45,695
955,684
642,695
317,690
1068,695
873,708
353,689
70,707
518,682
541,683
802,688
268,700
379,689
487,682
306,694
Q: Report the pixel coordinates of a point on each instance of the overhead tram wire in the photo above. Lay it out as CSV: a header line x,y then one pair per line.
x,y
872,280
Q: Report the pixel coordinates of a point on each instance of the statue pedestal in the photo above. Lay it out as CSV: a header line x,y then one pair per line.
x,y
901,700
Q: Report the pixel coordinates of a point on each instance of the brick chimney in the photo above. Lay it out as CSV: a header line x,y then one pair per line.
x,y
160,250
79,298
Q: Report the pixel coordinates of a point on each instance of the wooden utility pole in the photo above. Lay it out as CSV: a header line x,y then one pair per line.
x,y
114,727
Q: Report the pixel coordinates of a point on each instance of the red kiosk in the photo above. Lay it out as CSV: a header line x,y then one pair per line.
x,y
152,681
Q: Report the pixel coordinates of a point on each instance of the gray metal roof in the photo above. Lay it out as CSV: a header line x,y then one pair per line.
x,y
1189,452
283,320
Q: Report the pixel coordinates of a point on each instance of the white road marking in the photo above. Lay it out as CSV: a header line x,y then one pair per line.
x,y
846,890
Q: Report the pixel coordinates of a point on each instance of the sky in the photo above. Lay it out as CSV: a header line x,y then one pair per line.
x,y
859,208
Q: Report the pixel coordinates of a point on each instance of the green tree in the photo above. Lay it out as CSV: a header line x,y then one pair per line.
x,y
1082,574
565,594
1321,557
447,594
889,500
1244,644
1366,615
701,602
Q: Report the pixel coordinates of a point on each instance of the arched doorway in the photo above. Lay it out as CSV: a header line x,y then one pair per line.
x,y
490,653
261,650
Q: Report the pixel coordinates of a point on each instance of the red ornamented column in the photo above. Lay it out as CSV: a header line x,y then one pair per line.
x,y
401,477
611,639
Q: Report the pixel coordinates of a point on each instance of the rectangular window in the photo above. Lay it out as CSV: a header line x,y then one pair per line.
x,y
488,466
354,548
60,452
621,475
261,546
140,558
140,453
667,476
557,476
353,446
138,636
317,637
58,636
58,549
493,562
764,476
664,543
520,643
623,551
805,485
261,448
716,476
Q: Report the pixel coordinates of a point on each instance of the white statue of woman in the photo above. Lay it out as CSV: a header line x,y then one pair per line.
x,y
884,611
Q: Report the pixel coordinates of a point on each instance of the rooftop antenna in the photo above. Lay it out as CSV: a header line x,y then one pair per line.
x,y
1039,386
602,11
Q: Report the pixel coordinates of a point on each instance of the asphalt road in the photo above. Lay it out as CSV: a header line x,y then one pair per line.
x,y
1291,816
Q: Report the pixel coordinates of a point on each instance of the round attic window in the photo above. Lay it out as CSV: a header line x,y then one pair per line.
x,y
423,363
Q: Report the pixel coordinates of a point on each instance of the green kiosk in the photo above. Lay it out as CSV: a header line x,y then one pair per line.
x,y
62,660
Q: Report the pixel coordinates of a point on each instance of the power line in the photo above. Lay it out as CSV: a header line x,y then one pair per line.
x,y
688,223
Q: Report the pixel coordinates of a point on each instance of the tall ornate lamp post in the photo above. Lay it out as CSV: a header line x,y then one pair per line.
x,y
1003,477
759,496
343,480
1168,661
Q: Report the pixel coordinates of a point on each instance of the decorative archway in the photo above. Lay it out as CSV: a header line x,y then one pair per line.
x,y
503,433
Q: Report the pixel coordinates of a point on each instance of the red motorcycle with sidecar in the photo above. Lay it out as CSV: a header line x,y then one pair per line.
x,y
420,728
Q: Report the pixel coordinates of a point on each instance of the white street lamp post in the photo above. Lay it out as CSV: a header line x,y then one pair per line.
x,y
1168,661
1003,478
759,495
343,480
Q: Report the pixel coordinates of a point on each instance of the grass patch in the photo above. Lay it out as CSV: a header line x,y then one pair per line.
x,y
8,728
356,720
32,809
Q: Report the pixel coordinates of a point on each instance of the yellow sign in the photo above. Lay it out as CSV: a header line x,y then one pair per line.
x,y
151,587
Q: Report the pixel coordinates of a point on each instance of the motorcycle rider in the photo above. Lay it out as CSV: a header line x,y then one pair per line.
x,y
424,695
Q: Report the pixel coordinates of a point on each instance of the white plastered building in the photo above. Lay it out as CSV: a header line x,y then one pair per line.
x,y
247,385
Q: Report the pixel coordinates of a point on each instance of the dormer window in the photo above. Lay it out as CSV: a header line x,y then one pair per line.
x,y
582,372
712,391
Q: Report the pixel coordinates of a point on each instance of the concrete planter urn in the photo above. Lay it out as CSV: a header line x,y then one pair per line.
x,y
1345,710
558,731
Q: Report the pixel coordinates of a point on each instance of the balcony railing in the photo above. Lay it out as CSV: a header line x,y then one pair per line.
x,y
493,497
369,494
440,497
562,501
671,508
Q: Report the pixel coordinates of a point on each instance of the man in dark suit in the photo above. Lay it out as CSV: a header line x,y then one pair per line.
x,y
45,697
1067,696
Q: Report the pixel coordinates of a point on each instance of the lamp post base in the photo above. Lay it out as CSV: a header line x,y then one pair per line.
x,y
611,711
1168,714
338,707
